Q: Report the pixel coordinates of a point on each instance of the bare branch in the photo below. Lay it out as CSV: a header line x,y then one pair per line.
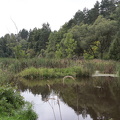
x,y
15,25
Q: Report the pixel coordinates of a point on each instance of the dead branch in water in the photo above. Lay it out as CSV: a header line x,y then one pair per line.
x,y
68,77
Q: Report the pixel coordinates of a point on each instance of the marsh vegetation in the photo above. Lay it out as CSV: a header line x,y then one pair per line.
x,y
45,72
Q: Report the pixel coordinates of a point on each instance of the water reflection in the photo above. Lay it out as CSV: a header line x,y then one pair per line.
x,y
93,99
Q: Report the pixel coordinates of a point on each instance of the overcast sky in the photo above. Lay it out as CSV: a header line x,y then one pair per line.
x,y
29,14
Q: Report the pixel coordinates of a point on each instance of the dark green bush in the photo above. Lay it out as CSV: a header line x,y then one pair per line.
x,y
10,100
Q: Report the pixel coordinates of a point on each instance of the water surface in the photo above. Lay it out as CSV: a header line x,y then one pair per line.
x,y
86,99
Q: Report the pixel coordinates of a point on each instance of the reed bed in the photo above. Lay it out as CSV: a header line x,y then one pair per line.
x,y
58,67
17,65
103,66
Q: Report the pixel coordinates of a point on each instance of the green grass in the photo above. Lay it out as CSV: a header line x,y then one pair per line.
x,y
43,73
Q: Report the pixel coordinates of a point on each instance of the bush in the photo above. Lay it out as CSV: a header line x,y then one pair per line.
x,y
88,56
13,107
10,100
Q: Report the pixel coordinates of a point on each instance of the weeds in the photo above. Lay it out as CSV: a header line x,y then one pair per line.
x,y
87,66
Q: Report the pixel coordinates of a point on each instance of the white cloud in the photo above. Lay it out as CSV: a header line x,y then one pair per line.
x,y
33,13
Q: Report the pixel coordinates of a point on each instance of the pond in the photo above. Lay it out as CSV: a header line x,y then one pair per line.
x,y
95,98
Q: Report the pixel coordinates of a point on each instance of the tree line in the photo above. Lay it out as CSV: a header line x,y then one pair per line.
x,y
93,33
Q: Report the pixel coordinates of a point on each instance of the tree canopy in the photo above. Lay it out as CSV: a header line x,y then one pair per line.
x,y
93,33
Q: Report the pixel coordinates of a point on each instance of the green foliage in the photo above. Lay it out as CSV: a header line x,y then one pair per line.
x,y
12,105
92,52
118,69
6,44
93,13
43,73
5,77
27,113
23,34
54,39
22,114
79,17
114,52
10,100
38,38
117,15
76,37
79,34
19,53
107,7
66,47
88,56
104,31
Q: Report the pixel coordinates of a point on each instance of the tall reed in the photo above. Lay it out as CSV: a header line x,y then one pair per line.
x,y
87,67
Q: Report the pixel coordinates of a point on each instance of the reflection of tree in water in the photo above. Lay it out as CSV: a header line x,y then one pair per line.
x,y
84,113
36,90
98,98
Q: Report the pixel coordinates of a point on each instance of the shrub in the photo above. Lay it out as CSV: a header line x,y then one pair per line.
x,y
10,100
13,107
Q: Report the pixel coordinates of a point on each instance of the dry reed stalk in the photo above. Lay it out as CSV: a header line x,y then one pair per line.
x,y
48,86
59,108
53,110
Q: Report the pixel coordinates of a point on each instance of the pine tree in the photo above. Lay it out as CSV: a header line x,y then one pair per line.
x,y
114,52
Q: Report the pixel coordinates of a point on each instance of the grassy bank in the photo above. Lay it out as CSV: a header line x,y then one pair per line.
x,y
43,73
